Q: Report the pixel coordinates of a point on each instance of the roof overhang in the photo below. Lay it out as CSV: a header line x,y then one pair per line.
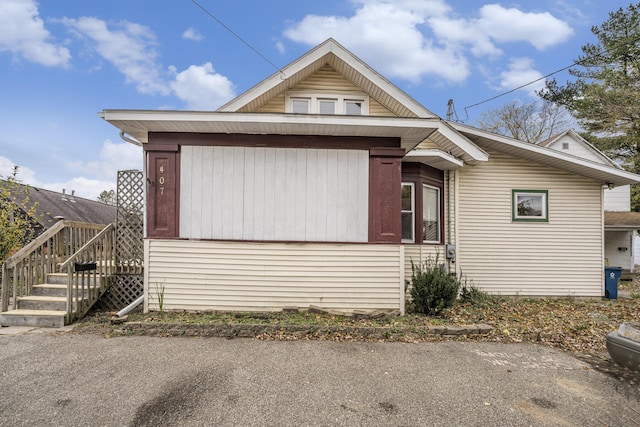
x,y
433,157
605,174
621,221
411,131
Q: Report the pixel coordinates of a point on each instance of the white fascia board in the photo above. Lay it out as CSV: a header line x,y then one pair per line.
x,y
276,78
140,122
433,156
462,141
527,150
377,79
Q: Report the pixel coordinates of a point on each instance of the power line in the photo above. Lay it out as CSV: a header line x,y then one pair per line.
x,y
212,16
605,51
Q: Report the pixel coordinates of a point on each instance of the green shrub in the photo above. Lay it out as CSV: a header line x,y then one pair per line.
x,y
432,287
475,296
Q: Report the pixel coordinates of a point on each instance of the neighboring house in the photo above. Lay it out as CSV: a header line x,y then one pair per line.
x,y
52,206
622,245
320,185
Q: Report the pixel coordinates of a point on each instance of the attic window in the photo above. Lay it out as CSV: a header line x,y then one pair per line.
x,y
565,145
326,103
300,105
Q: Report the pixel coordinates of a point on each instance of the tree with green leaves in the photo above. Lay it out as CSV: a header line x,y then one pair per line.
x,y
108,197
532,121
605,95
17,215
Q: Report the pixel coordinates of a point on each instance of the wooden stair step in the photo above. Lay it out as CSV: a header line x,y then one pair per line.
x,y
41,318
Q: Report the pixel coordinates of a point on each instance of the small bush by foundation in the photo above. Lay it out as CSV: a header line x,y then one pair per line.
x,y
433,288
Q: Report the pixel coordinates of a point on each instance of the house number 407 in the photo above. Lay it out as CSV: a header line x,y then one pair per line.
x,y
161,180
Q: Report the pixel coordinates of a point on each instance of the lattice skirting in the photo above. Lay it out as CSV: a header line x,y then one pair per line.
x,y
125,289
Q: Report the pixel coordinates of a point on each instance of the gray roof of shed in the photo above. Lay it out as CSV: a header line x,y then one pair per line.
x,y
51,204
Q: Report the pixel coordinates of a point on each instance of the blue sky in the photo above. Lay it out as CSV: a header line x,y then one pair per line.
x,y
63,61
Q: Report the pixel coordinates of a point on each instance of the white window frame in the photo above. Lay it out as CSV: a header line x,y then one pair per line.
x,y
341,101
544,204
438,214
412,211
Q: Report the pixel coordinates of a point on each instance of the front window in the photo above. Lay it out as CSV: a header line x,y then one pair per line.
x,y
430,214
530,205
408,212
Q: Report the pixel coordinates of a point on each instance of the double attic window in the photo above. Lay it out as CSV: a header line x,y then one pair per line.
x,y
316,103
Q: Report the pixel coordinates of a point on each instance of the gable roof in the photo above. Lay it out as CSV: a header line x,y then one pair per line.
x,y
413,123
580,140
51,204
331,53
607,175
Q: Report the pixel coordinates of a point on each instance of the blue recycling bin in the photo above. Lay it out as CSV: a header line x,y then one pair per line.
x,y
611,278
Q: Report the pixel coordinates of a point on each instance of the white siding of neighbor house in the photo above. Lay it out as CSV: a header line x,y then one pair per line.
x,y
242,276
618,199
619,249
577,148
325,80
559,258
285,194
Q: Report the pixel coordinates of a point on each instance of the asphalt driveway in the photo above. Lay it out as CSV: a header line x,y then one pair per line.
x,y
88,380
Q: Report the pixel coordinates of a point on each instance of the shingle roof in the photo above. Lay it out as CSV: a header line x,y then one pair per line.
x,y
629,220
51,204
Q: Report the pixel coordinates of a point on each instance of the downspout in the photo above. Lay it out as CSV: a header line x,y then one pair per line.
x,y
451,258
131,306
133,141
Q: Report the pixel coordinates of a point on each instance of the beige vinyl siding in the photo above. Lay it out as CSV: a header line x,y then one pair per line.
x,y
562,257
418,254
208,275
325,80
289,194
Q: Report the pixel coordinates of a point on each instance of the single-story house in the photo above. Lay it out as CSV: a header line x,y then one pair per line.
x,y
621,241
321,184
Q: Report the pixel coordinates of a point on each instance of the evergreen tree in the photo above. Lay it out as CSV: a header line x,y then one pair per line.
x,y
605,95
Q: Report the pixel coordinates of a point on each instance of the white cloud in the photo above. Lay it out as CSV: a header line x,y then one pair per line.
x,y
83,187
129,47
512,25
113,157
24,175
192,34
427,38
22,32
407,54
519,72
201,88
93,176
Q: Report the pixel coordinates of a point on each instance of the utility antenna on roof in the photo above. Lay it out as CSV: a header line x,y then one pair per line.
x,y
451,111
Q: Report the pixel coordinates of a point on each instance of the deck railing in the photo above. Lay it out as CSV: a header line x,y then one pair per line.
x,y
88,272
31,264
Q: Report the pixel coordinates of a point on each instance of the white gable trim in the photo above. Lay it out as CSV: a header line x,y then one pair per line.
x,y
330,48
580,140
